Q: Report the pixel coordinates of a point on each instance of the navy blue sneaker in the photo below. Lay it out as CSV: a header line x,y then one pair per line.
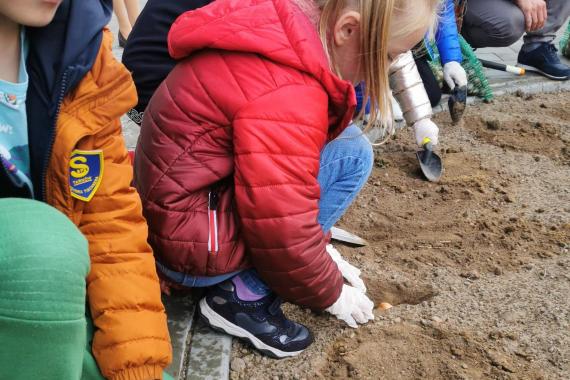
x,y
544,60
262,322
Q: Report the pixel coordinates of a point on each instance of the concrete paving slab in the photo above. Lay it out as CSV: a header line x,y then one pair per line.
x,y
180,312
498,76
489,56
517,45
507,56
209,357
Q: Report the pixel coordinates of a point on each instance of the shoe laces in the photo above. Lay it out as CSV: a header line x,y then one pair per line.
x,y
552,52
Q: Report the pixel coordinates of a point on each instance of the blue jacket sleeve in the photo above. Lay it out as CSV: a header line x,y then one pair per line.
x,y
359,90
447,37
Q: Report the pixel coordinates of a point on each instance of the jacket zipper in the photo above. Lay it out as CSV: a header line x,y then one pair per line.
x,y
60,99
213,199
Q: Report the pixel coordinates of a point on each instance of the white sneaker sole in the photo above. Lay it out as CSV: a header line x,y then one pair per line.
x,y
218,322
535,70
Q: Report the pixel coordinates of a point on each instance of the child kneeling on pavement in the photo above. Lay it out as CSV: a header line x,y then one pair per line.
x,y
246,157
71,226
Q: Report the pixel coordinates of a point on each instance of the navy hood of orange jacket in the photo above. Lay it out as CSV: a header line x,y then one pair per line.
x,y
60,55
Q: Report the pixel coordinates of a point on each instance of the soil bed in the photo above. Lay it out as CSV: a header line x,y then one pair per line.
x,y
477,264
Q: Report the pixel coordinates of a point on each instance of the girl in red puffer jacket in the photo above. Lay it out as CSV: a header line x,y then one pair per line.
x,y
246,157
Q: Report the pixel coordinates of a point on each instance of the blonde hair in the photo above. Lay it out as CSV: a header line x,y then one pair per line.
x,y
376,27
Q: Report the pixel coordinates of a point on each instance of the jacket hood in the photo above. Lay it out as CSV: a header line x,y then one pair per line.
x,y
275,29
60,55
69,43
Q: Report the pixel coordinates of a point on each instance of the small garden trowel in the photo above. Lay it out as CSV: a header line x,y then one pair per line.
x,y
430,163
347,237
457,103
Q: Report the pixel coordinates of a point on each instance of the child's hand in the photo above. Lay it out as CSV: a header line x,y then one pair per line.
x,y
349,272
353,307
425,128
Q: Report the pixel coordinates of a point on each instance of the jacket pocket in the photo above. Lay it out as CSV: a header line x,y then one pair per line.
x,y
225,250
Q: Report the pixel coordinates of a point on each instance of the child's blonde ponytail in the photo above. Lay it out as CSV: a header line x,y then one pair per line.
x,y
376,19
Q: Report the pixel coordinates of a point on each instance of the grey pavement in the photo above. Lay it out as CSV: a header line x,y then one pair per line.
x,y
202,354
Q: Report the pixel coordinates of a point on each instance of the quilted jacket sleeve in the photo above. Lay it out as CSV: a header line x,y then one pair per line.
x,y
277,144
408,89
131,339
447,37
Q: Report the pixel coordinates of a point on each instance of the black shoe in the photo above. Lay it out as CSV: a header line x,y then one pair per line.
x,y
262,322
122,40
544,60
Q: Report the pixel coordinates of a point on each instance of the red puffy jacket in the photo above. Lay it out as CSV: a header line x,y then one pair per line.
x,y
228,155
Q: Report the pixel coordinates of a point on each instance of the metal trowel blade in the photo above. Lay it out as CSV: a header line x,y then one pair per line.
x,y
457,103
431,165
347,237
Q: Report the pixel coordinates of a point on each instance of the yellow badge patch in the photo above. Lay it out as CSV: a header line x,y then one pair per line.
x,y
85,173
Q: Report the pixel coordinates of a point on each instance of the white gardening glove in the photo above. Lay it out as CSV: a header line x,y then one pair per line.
x,y
454,74
426,129
349,272
352,307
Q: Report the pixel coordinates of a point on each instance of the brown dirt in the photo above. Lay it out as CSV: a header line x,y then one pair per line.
x,y
477,264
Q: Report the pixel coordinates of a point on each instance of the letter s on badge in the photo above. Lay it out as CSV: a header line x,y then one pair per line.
x,y
85,173
78,164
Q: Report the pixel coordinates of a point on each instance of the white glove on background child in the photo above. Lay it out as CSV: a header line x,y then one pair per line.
x,y
425,128
397,111
454,74
352,307
349,272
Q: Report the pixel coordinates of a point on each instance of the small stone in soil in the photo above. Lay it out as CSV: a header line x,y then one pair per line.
x,y
471,275
510,316
436,319
399,189
237,365
443,190
509,198
509,229
493,125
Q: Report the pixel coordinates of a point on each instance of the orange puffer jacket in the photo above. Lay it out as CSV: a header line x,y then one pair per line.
x,y
131,339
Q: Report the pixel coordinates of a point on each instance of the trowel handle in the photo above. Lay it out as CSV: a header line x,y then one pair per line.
x,y
427,144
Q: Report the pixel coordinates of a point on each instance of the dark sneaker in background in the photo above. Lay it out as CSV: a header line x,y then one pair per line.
x,y
544,60
261,322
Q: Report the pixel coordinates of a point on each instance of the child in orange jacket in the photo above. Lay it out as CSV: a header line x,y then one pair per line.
x,y
71,226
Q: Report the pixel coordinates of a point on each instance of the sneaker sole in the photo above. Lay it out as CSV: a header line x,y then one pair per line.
x,y
535,70
219,323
